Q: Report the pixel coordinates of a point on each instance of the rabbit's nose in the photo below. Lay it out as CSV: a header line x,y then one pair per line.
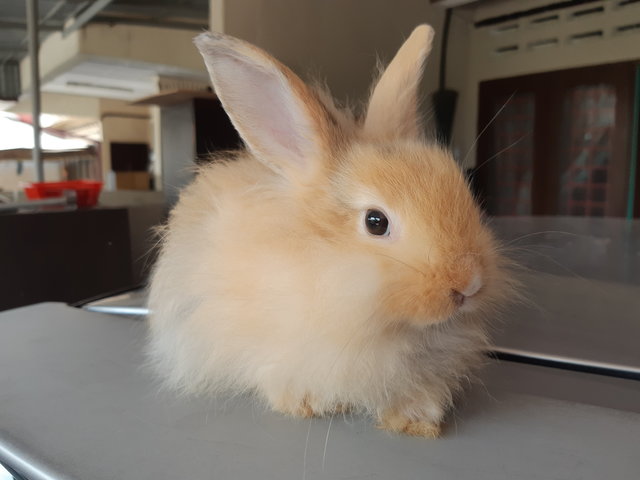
x,y
472,287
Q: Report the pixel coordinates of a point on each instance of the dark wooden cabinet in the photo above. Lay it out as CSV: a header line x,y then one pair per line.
x,y
73,255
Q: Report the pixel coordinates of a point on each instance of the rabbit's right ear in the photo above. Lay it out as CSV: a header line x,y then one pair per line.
x,y
393,106
280,119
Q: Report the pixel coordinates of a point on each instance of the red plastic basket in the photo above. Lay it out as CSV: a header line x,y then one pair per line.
x,y
87,191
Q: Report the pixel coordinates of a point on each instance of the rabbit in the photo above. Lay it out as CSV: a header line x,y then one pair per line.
x,y
336,263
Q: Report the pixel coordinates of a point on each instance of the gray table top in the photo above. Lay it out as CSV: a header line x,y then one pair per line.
x,y
577,321
582,290
76,403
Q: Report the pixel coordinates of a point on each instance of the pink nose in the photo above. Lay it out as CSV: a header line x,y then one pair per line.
x,y
473,286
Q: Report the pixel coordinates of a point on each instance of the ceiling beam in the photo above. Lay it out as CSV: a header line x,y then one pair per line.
x,y
186,24
160,10
18,24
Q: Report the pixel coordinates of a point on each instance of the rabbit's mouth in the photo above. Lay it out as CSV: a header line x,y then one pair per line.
x,y
420,308
439,292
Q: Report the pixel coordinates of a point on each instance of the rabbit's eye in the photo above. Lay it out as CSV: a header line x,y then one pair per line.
x,y
376,222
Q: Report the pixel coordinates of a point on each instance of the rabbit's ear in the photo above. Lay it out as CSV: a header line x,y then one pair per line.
x,y
393,106
279,118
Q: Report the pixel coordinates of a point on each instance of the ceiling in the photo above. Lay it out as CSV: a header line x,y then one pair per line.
x,y
69,15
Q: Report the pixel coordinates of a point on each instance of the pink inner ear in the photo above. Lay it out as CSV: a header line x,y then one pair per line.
x,y
265,110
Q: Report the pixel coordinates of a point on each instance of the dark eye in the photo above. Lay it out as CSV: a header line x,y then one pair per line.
x,y
376,222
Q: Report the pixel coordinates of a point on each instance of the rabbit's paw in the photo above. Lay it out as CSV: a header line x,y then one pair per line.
x,y
295,407
398,422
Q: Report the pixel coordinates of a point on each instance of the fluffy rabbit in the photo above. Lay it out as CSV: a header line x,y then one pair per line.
x,y
337,263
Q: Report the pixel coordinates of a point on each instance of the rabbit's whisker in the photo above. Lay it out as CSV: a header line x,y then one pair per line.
x,y
487,126
403,263
326,442
542,233
502,151
306,448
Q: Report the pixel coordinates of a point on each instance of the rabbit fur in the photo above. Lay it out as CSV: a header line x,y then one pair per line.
x,y
268,280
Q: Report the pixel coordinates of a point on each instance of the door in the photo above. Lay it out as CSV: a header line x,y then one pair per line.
x,y
557,143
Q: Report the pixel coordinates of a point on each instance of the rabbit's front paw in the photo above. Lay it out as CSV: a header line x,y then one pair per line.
x,y
418,417
401,423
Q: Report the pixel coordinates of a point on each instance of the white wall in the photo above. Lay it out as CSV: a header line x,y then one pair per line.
x,y
333,39
12,181
612,47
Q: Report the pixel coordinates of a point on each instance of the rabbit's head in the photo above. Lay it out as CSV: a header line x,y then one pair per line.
x,y
372,187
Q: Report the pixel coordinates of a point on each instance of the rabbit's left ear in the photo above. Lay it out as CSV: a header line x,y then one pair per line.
x,y
280,119
393,106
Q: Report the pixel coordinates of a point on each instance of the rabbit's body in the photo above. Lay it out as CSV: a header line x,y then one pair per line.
x,y
269,282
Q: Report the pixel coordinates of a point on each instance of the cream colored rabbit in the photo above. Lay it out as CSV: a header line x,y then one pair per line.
x,y
336,263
